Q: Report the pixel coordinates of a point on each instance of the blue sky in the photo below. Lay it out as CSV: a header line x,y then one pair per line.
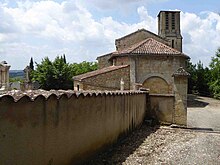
x,y
86,29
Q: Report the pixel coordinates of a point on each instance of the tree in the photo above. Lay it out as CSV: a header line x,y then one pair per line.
x,y
83,67
31,65
58,74
53,75
193,78
199,79
64,58
202,83
215,77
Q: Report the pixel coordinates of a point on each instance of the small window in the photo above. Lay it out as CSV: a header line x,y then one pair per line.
x,y
77,87
173,21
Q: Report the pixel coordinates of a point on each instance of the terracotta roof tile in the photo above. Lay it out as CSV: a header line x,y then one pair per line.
x,y
99,71
32,95
150,46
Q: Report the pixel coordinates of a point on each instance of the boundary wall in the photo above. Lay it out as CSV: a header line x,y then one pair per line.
x,y
65,127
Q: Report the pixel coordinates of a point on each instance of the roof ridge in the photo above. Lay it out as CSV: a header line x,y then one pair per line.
x,y
149,46
164,45
141,43
142,29
169,47
101,71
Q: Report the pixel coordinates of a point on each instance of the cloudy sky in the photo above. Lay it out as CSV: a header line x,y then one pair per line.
x,y
85,29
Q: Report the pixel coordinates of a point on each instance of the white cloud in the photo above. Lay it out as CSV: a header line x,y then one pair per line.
x,y
110,4
201,35
48,28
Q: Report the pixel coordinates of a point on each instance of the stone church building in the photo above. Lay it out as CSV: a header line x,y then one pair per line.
x,y
147,60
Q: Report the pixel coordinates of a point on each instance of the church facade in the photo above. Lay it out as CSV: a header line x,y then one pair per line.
x,y
145,60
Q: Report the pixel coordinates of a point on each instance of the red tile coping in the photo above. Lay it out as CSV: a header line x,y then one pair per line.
x,y
17,95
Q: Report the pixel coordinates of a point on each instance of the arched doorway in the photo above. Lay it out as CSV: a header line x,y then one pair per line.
x,y
157,85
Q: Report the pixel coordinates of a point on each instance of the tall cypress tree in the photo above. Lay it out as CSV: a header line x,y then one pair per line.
x,y
64,58
31,65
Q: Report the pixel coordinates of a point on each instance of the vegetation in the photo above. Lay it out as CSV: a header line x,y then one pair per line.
x,y
214,82
16,74
31,65
16,79
199,79
203,80
58,74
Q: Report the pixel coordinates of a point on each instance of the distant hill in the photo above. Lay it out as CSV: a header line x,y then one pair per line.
x,y
16,73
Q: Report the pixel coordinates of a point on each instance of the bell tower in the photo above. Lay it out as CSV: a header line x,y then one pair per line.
x,y
169,28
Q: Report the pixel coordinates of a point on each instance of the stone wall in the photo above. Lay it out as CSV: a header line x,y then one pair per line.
x,y
124,60
134,38
161,66
162,108
107,81
103,61
181,86
65,127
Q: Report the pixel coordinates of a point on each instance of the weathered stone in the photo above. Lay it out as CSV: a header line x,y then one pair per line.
x,y
155,61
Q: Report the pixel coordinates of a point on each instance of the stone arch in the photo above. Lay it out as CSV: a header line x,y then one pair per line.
x,y
157,85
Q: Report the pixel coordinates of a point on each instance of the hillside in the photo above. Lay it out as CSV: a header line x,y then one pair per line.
x,y
16,73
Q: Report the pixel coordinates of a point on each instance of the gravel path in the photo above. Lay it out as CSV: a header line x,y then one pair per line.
x,y
163,145
203,112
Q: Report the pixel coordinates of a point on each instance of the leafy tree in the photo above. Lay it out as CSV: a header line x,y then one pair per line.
x,y
215,75
199,79
191,68
83,67
53,75
58,74
202,83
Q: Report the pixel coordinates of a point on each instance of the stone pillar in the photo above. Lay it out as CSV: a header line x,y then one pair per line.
x,y
180,92
4,76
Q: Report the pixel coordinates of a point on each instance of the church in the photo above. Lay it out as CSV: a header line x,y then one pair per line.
x,y
143,59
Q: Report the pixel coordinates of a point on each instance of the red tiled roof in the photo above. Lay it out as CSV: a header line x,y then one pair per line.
x,y
99,71
150,46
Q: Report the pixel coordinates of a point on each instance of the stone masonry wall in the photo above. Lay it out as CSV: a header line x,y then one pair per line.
x,y
162,108
103,61
124,60
108,81
162,67
64,127
181,86
136,37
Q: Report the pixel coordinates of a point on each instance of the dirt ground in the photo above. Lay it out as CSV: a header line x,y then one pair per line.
x,y
203,112
163,145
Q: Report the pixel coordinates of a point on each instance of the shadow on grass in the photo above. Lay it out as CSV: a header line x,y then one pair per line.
x,y
117,153
195,101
